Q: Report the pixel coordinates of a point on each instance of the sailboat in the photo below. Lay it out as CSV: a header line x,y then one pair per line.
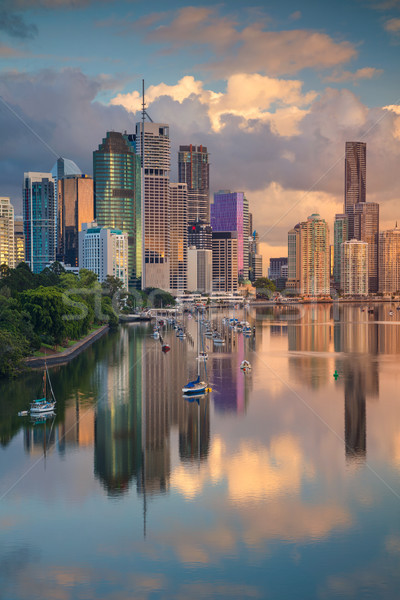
x,y
196,387
43,405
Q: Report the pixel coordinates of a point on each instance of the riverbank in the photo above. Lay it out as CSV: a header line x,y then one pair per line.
x,y
58,358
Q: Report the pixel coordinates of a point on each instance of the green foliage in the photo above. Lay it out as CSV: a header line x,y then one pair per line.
x,y
13,348
158,298
264,287
112,285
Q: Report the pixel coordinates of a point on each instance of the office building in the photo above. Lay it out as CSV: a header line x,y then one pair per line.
x,y
117,195
354,180
39,213
7,252
275,265
75,205
340,235
225,261
19,241
199,278
200,235
354,268
314,257
156,219
293,280
389,261
104,251
227,214
178,237
256,267
366,229
194,170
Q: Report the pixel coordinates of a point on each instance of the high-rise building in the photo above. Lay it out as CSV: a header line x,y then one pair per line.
x,y
39,212
275,265
340,235
314,257
389,261
225,261
354,179
104,251
200,235
7,253
354,268
117,195
194,170
75,206
246,240
227,214
293,280
199,270
256,267
366,229
178,237
156,218
19,241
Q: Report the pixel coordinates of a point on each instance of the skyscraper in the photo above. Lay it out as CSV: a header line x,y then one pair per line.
x,y
354,179
104,251
39,212
293,280
199,278
340,235
354,268
200,235
75,206
366,229
7,254
178,236
225,261
314,257
19,241
117,201
227,214
156,219
389,261
194,170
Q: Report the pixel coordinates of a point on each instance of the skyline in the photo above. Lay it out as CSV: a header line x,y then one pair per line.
x,y
273,92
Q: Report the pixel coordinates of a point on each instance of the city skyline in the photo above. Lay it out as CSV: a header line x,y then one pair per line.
x,y
275,127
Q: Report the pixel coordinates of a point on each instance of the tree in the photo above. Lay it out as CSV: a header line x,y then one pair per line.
x,y
112,285
264,287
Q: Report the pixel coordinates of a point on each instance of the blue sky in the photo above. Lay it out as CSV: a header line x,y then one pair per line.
x,y
274,90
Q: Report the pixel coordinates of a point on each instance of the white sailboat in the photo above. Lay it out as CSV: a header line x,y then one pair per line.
x,y
196,387
44,405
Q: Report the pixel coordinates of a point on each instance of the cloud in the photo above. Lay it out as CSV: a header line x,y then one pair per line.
x,y
364,73
7,52
295,16
250,48
393,25
15,26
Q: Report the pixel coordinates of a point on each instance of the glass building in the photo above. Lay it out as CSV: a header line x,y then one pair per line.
x,y
227,214
340,235
39,212
354,180
117,195
194,170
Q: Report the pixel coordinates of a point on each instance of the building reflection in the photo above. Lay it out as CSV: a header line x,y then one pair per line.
x,y
194,434
40,435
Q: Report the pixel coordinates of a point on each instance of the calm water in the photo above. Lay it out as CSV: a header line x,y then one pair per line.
x,y
282,483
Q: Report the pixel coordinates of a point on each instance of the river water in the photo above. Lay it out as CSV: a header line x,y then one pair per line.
x,y
281,483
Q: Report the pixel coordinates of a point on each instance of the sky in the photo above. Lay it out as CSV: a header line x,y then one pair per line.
x,y
273,89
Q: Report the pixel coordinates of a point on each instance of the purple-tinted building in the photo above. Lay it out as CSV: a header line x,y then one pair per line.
x,y
227,215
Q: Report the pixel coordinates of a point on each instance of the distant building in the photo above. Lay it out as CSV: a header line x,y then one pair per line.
x,y
225,261
293,280
39,212
314,257
354,268
389,261
7,251
178,237
19,241
200,235
75,206
256,266
340,235
104,251
194,170
366,229
275,265
199,277
227,214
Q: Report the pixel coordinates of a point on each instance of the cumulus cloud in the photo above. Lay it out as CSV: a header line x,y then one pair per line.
x,y
393,25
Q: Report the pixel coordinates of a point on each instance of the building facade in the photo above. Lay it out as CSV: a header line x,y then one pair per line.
x,y
293,280
39,213
199,270
227,214
366,229
19,241
178,237
194,170
389,261
355,172
340,235
117,195
314,257
75,205
104,251
7,250
225,261
275,265
200,235
354,268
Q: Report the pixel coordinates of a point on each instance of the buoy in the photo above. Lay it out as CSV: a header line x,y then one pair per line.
x,y
208,389
336,375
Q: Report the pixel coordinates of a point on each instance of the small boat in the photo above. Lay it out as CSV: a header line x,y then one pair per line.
x,y
391,313
195,387
218,340
23,413
43,405
165,348
156,335
245,365
202,356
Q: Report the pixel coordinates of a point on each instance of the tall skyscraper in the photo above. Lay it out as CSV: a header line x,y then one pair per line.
x,y
156,219
7,253
366,229
354,268
293,280
225,261
227,214
39,220
354,179
75,206
314,257
340,235
194,170
178,236
117,201
246,240
389,261
199,278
